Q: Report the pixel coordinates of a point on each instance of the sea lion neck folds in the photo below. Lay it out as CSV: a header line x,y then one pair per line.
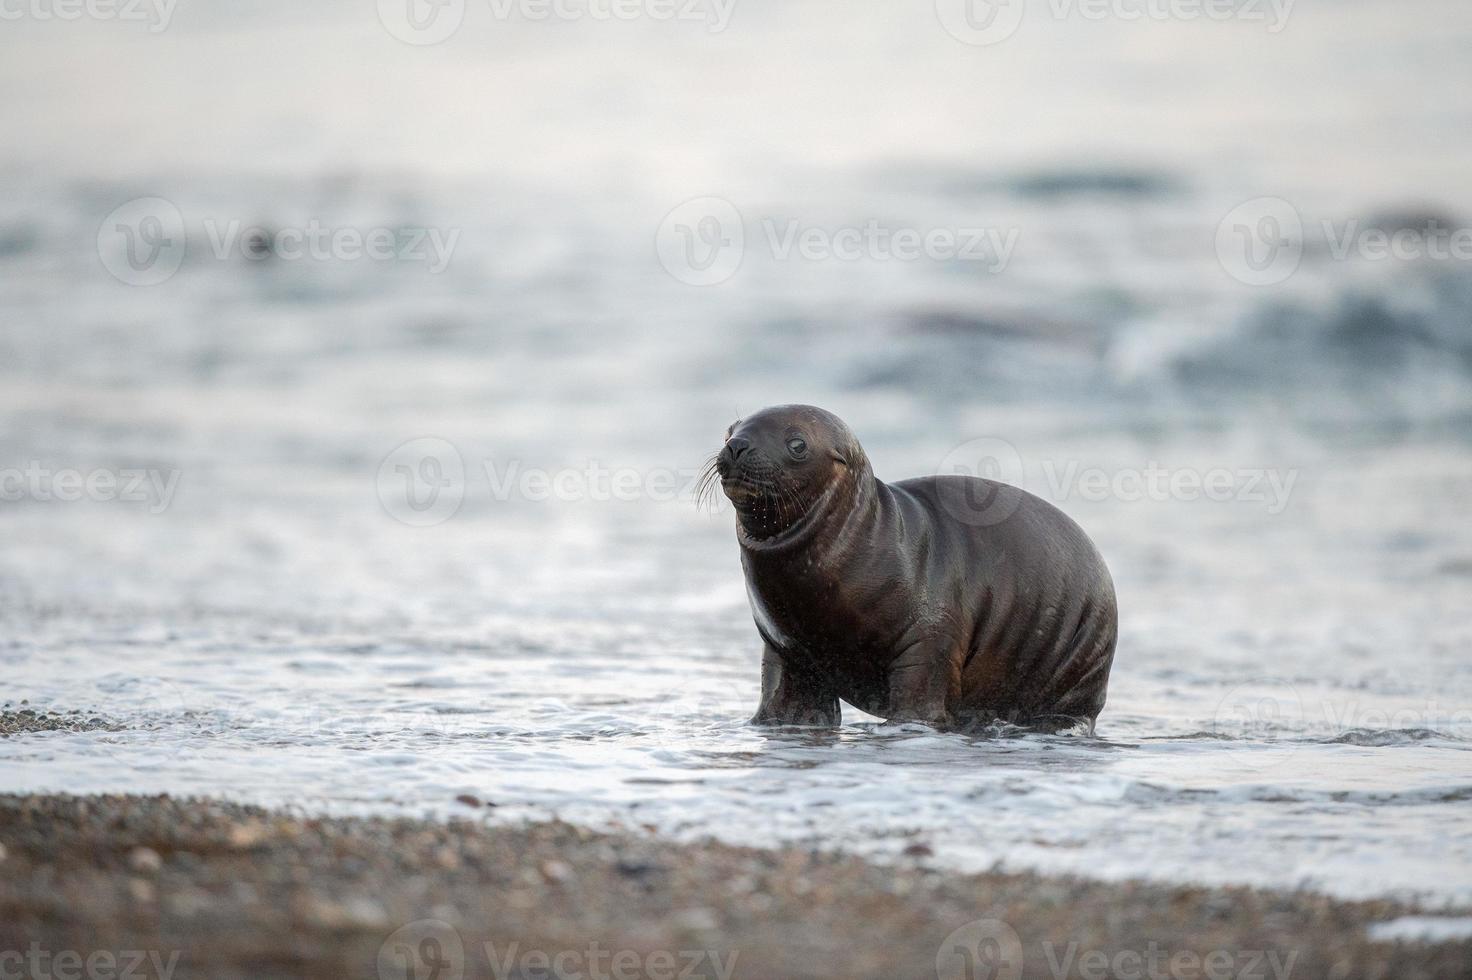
x,y
892,598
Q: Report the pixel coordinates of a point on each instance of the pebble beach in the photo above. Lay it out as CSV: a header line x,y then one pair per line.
x,y
203,888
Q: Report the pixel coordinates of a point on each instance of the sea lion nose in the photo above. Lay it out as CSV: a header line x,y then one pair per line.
x,y
734,448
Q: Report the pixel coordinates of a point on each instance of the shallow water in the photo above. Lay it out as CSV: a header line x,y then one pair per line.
x,y
1285,709
1292,698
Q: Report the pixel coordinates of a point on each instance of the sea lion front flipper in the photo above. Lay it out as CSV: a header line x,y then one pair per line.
x,y
793,697
924,681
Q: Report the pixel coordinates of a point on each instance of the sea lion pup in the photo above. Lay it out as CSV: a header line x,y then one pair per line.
x,y
950,600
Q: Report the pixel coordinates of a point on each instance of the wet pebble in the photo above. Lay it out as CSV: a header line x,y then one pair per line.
x,y
145,860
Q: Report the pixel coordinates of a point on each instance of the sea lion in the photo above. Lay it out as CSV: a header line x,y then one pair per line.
x,y
950,600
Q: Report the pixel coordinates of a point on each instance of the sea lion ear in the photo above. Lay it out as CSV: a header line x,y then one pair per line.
x,y
836,454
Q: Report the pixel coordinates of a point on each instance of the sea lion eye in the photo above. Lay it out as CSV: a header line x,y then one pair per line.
x,y
797,447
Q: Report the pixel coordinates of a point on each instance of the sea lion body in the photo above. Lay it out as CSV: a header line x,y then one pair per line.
x,y
951,600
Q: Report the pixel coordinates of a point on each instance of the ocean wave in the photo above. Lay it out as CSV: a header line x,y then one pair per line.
x,y
1039,183
1385,737
1401,344
1270,793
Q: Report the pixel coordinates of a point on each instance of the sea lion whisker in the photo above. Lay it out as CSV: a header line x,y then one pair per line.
x,y
705,487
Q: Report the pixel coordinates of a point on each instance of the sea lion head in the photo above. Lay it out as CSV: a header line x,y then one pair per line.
x,y
784,464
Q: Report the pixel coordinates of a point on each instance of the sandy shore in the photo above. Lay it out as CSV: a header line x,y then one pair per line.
x,y
158,886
